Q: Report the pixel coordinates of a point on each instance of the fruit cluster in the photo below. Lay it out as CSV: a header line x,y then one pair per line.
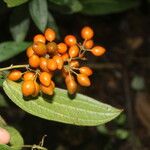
x,y
46,56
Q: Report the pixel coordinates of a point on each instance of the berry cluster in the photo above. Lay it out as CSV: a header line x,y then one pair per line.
x,y
46,56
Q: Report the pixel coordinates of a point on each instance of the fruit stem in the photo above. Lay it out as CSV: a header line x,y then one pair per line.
x,y
14,67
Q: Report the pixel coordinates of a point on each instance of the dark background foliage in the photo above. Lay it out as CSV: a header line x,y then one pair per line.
x,y
121,76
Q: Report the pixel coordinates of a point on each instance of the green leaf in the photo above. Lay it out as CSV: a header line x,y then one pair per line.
x,y
99,7
10,49
81,110
68,6
39,13
19,23
16,138
13,3
5,147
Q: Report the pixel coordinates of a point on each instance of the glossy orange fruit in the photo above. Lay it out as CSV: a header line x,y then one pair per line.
x,y
43,64
98,50
62,48
50,34
29,51
28,88
51,65
45,78
59,61
28,76
39,38
74,64
49,90
83,80
65,56
51,47
73,51
86,70
34,61
37,89
39,48
14,75
87,33
88,44
70,40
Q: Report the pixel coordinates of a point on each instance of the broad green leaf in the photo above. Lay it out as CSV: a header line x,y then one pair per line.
x,y
99,7
5,147
81,110
51,23
39,13
10,49
16,138
19,23
68,6
13,3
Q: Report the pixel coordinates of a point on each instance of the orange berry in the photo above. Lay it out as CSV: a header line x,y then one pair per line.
x,y
88,44
14,75
37,89
69,77
65,56
59,61
45,78
98,50
87,33
51,65
62,48
73,51
49,90
28,88
71,84
86,70
43,64
51,47
34,61
74,64
70,40
39,38
64,72
29,51
29,76
39,48
50,34
83,80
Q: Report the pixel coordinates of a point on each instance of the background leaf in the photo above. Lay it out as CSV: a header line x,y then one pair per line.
x,y
10,49
99,7
19,23
81,110
66,6
13,3
39,13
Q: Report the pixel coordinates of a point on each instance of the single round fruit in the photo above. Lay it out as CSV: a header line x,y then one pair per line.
x,y
87,33
65,56
88,44
43,64
62,48
14,75
50,34
39,38
98,50
74,64
51,65
69,77
37,89
39,48
70,40
73,51
83,80
49,90
29,51
45,78
34,61
28,88
59,61
71,85
51,47
86,70
4,136
28,76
